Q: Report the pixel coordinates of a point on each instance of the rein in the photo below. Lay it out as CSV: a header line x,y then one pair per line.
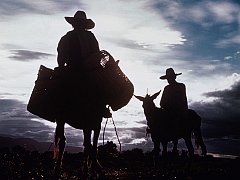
x,y
111,119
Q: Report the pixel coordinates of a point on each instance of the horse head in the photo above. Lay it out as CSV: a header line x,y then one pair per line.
x,y
148,105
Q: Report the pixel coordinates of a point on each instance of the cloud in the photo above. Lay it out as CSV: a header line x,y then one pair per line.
x,y
223,11
221,116
26,55
228,58
12,7
228,95
12,108
206,68
26,128
202,12
213,25
16,121
141,29
226,145
229,41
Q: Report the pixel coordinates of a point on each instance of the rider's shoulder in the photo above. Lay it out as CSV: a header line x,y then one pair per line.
x,y
181,84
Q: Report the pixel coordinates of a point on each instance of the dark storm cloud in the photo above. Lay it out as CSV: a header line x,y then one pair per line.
x,y
12,108
132,134
227,146
221,117
13,7
16,121
126,135
25,55
26,128
229,95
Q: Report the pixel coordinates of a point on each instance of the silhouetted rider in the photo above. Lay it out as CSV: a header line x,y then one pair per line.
x,y
174,99
77,44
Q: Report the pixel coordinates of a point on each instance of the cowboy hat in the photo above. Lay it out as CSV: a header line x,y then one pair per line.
x,y
80,17
170,74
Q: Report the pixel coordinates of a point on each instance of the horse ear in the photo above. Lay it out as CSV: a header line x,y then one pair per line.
x,y
139,98
154,96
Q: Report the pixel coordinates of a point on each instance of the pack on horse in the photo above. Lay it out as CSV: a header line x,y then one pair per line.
x,y
84,104
162,131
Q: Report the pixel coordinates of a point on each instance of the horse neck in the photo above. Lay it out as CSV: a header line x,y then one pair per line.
x,y
150,112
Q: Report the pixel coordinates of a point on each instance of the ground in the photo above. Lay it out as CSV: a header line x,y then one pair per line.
x,y
18,163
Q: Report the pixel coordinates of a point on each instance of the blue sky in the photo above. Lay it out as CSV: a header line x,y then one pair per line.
x,y
198,38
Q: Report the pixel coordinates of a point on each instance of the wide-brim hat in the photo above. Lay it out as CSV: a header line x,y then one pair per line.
x,y
80,18
170,73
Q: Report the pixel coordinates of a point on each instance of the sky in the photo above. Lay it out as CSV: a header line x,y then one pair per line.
x,y
200,39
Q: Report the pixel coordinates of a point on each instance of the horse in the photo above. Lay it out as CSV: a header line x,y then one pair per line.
x,y
80,99
82,109
83,103
162,131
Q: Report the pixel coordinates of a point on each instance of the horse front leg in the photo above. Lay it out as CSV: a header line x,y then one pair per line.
x,y
175,143
95,139
189,145
164,151
96,166
59,146
90,153
156,148
87,150
156,151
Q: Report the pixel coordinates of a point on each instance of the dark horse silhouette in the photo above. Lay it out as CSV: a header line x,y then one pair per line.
x,y
75,102
84,106
81,103
80,110
163,132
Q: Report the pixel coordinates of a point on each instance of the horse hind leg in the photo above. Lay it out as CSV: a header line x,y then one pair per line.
x,y
59,146
87,150
189,145
199,141
96,166
90,154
